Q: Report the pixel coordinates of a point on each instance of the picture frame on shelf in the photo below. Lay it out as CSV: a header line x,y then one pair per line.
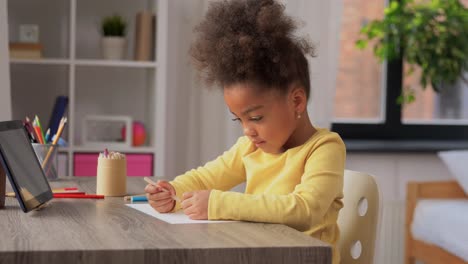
x,y
105,131
29,33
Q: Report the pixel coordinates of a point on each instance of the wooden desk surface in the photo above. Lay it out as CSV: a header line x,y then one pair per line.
x,y
107,231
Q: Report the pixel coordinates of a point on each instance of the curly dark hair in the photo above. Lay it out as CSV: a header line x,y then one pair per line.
x,y
251,41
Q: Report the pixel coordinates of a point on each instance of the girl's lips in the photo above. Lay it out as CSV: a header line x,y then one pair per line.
x,y
258,143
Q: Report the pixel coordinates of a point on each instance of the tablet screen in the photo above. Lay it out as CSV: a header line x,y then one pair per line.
x,y
22,166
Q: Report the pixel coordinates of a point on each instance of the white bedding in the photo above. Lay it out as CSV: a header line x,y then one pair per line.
x,y
443,223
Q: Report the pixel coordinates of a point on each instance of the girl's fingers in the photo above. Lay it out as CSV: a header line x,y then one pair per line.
x,y
162,207
165,202
165,208
166,185
189,211
192,216
159,196
149,188
187,195
186,203
196,217
154,189
154,205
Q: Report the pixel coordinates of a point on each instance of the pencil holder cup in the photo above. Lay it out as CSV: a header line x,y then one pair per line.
x,y
47,156
111,176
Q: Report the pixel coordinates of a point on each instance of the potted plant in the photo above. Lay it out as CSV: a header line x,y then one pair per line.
x,y
431,35
113,40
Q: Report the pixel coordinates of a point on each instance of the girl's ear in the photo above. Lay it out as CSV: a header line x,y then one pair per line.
x,y
299,99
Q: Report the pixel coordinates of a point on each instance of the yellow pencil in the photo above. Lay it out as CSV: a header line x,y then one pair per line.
x,y
63,121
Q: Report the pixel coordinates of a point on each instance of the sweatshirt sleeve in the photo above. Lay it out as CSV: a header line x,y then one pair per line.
x,y
306,206
223,173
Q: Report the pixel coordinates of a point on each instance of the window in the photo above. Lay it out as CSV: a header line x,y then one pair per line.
x,y
359,89
450,106
366,92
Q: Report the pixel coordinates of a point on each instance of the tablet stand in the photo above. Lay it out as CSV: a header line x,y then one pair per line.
x,y
3,190
2,187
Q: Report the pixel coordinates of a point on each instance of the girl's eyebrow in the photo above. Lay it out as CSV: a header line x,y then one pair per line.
x,y
251,109
248,110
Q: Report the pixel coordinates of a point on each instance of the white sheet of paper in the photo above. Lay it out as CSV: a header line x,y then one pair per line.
x,y
172,218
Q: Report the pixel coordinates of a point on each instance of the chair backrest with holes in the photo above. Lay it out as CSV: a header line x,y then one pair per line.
x,y
358,218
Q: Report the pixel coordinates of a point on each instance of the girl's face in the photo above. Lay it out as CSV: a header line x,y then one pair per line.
x,y
267,118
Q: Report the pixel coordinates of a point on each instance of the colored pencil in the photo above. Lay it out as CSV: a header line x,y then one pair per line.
x,y
38,123
129,197
30,130
79,196
69,192
138,199
57,136
38,132
47,136
12,194
36,136
65,189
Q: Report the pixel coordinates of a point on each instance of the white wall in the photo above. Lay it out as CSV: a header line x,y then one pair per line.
x,y
5,93
200,121
394,170
320,21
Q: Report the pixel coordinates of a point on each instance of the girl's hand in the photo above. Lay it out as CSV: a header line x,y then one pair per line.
x,y
160,196
195,204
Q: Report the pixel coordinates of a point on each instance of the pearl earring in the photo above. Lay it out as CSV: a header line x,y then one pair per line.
x,y
298,116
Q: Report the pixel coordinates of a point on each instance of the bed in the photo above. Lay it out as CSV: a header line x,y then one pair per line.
x,y
420,249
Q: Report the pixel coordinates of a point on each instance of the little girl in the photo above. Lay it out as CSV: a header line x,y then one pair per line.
x,y
293,170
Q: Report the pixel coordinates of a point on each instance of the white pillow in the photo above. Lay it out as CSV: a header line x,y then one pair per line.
x,y
457,162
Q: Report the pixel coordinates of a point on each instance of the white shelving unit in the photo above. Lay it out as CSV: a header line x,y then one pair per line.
x,y
72,66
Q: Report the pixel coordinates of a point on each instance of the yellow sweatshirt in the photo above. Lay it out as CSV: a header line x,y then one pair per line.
x,y
301,187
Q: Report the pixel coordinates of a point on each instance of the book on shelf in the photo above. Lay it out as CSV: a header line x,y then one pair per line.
x,y
144,35
58,112
22,50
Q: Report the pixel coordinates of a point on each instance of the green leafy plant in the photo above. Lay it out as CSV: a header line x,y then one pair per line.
x,y
431,34
114,25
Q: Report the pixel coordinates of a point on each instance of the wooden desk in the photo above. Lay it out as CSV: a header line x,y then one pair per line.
x,y
107,231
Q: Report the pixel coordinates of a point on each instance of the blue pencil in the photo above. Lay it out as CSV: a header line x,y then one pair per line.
x,y
138,199
47,136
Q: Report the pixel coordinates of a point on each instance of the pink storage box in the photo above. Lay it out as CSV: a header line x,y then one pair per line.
x,y
85,164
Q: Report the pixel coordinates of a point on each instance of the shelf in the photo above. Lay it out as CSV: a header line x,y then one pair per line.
x,y
119,149
74,67
115,63
106,63
41,61
63,149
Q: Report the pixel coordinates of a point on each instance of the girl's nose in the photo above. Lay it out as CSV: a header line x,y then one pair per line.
x,y
249,131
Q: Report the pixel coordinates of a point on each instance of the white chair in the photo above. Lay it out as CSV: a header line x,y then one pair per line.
x,y
358,218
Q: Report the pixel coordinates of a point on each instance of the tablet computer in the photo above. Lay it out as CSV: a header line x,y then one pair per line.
x,y
22,166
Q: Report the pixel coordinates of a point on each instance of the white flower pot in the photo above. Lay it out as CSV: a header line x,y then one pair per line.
x,y
113,48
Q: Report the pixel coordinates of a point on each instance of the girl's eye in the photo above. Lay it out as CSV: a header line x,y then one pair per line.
x,y
236,119
256,118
